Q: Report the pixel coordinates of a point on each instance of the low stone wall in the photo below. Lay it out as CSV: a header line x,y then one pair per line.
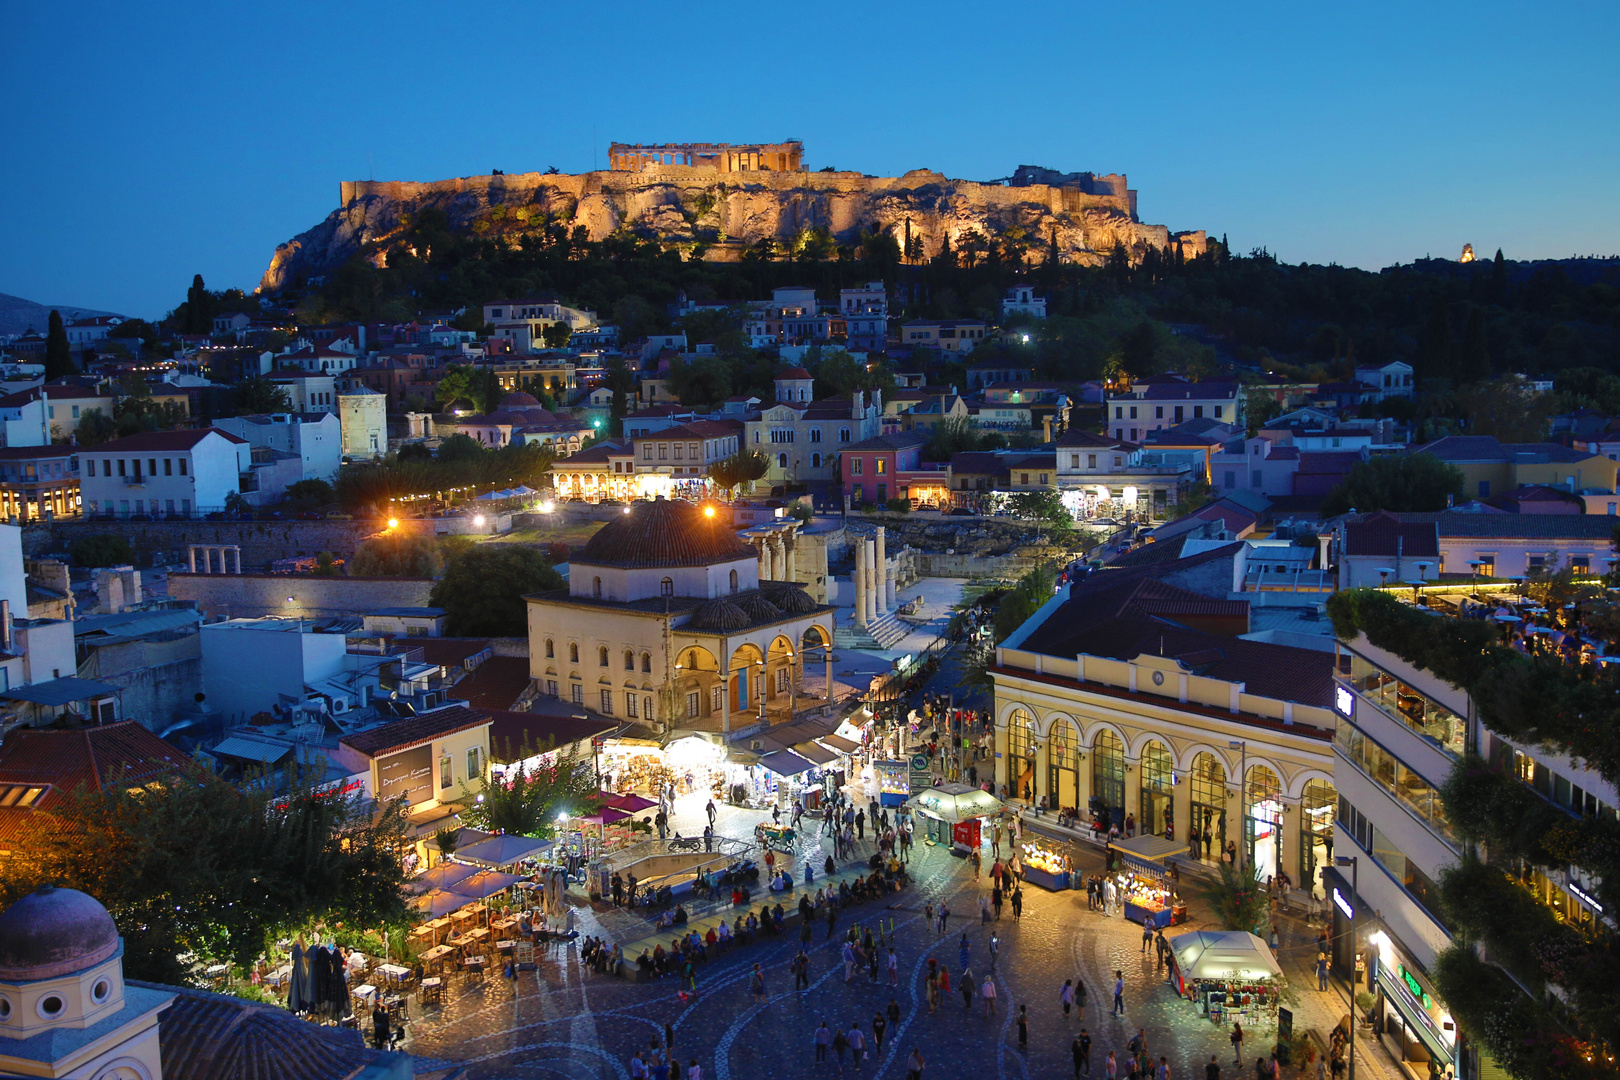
x,y
262,542
296,596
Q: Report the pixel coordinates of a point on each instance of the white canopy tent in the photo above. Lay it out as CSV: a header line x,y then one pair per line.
x,y
1223,954
954,803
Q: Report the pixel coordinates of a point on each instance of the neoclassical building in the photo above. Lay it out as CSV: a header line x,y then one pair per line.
x,y
1135,695
669,619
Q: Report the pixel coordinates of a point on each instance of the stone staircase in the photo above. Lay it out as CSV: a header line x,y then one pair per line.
x,y
884,632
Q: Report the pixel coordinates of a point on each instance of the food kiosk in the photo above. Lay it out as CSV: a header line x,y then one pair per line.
x,y
1044,865
1147,884
1228,974
943,808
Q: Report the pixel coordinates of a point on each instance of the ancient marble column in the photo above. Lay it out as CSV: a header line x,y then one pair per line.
x,y
872,581
882,566
860,583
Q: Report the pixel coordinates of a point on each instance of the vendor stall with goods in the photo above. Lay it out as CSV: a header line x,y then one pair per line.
x,y
1228,974
953,814
1044,865
1148,884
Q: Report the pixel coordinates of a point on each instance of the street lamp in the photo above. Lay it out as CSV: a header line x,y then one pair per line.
x,y
1243,799
1354,863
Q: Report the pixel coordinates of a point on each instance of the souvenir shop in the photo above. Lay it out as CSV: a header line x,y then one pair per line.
x,y
1147,883
1045,865
953,814
635,765
1227,975
889,782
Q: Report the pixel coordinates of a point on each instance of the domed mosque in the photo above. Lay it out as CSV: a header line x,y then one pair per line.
x,y
668,593
67,1011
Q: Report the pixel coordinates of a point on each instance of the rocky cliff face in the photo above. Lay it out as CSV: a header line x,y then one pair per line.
x,y
721,214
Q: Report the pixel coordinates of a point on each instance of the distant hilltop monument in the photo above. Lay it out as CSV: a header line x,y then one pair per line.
x,y
716,200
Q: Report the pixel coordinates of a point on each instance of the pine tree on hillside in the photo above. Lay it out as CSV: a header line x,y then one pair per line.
x,y
1434,348
1474,365
58,355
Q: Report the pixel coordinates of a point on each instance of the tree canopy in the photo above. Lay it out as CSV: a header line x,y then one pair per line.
x,y
201,865
58,354
483,588
1403,483
399,554
527,800
743,467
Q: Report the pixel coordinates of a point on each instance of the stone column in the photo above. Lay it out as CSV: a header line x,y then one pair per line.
x,y
859,578
829,674
238,552
1181,807
873,582
891,588
191,556
208,559
778,559
792,557
725,702
881,564
764,560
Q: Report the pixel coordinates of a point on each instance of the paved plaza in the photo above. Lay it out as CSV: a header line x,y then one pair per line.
x,y
566,1021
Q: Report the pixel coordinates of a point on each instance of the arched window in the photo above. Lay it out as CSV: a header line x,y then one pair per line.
x,y
666,587
596,587
734,581
1158,785
629,660
551,650
781,461
573,653
646,662
1209,805
815,461
1108,775
1020,748
601,656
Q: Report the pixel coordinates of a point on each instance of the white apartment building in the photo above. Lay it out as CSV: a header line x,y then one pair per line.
x,y
1023,300
316,438
158,473
1147,407
309,392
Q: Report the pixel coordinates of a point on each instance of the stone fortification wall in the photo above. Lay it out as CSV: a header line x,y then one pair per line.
x,y
295,596
692,204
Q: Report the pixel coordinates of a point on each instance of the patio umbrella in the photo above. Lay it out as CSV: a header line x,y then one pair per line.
x,y
954,802
442,876
439,902
605,816
631,802
484,884
505,849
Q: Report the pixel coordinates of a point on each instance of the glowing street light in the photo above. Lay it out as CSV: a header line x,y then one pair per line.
x,y
478,521
393,523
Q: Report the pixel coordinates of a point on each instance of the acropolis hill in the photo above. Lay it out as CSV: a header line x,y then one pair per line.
x,y
719,198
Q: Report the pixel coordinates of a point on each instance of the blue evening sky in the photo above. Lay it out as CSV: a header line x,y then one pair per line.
x,y
148,142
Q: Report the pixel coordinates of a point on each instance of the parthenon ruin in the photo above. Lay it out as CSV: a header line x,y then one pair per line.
x,y
726,157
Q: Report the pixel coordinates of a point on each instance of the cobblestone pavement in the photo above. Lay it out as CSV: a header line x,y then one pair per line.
x,y
567,1022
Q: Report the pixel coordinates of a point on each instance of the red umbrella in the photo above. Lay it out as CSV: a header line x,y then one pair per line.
x,y
605,816
631,802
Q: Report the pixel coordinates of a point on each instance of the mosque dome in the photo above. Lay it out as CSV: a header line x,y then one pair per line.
x,y
519,400
758,608
720,615
664,533
791,599
54,932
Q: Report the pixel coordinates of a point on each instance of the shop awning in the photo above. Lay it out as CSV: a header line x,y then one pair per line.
x,y
1148,848
786,763
61,691
954,802
815,752
1223,954
839,743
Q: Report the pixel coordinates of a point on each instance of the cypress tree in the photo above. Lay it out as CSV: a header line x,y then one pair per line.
x,y
58,355
199,319
1499,281
1434,348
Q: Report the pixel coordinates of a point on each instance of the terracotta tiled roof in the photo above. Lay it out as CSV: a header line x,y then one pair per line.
x,y
1385,535
666,532
497,684
164,441
401,734
509,732
86,757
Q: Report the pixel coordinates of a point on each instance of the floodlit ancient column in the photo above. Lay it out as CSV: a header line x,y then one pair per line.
x,y
881,565
191,555
860,582
872,581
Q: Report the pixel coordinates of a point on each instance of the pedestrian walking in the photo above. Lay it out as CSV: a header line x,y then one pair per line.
x,y
1080,998
944,916
1237,1043
1163,1072
894,968
1321,971
879,1026
1066,996
1081,1049
1023,1027
894,1013
995,950
1212,1071
857,1045
963,952
1018,903
987,990
801,971
967,990
757,982
840,1044
914,1064
1119,993
1111,1067
1147,934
